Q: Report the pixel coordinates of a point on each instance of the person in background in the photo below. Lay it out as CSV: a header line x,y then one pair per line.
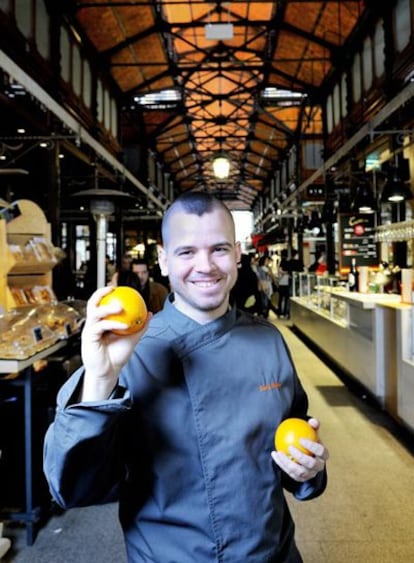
x,y
266,285
297,266
322,265
64,281
110,268
245,293
125,277
314,265
284,285
296,263
126,261
154,293
177,421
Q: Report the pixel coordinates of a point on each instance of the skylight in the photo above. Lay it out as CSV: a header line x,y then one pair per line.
x,y
163,98
282,97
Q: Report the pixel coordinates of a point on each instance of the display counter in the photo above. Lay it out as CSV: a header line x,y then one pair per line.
x,y
405,365
355,333
39,347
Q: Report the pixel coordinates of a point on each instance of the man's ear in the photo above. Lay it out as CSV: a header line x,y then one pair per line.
x,y
238,250
162,260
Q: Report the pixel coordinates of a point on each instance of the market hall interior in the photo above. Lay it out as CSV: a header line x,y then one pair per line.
x,y
302,124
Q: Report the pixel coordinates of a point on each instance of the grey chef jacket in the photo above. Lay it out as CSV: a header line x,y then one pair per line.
x,y
185,443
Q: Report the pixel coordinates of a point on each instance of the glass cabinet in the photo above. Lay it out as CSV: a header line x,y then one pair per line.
x,y
321,293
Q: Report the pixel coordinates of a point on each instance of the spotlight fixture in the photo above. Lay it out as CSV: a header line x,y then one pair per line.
x,y
395,189
364,201
221,167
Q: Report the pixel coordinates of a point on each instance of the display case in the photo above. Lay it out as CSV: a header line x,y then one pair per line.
x,y
27,256
321,294
303,284
38,335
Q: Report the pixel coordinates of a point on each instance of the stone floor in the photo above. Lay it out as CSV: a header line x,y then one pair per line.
x,y
367,511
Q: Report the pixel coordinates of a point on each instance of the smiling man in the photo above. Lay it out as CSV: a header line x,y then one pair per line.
x,y
178,421
200,257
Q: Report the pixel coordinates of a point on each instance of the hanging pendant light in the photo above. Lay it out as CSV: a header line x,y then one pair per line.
x,y
221,167
364,201
395,190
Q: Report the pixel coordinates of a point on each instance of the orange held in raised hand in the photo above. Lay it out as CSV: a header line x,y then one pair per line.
x,y
289,432
134,310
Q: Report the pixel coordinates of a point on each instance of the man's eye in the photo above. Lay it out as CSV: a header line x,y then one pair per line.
x,y
221,249
185,253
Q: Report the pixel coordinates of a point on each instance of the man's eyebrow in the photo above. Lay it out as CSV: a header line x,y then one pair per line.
x,y
214,245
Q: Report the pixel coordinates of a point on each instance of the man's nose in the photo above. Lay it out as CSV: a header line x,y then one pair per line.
x,y
204,262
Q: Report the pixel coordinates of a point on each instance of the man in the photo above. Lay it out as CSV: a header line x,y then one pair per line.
x,y
154,293
178,423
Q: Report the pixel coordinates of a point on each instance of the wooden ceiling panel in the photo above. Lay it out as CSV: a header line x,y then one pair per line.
x,y
150,46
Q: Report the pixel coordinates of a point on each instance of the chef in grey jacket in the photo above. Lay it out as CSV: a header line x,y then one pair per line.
x,y
177,421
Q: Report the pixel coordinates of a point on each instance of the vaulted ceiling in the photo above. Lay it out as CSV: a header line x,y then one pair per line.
x,y
244,79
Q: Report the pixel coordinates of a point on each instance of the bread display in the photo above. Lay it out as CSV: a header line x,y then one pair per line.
x,y
23,335
35,295
28,330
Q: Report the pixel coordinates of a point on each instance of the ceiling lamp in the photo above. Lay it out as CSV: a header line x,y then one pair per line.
x,y
221,167
218,31
395,190
364,201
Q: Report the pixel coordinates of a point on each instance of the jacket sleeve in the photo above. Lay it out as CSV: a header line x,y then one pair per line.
x,y
82,454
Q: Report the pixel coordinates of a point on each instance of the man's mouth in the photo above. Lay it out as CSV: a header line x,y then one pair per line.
x,y
205,284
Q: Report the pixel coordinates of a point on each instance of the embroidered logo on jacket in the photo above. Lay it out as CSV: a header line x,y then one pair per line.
x,y
270,386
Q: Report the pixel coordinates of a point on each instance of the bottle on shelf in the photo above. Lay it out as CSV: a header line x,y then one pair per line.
x,y
353,276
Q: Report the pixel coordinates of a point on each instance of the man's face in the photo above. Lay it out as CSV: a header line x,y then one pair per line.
x,y
200,260
141,270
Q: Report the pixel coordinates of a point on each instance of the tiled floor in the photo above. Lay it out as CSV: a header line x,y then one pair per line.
x,y
366,514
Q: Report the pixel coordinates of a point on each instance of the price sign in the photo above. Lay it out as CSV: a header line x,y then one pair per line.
x,y
37,334
357,240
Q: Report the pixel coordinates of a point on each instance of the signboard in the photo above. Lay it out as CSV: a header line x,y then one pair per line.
x,y
316,192
357,240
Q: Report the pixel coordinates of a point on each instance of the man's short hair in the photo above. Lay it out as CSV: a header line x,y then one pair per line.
x,y
193,203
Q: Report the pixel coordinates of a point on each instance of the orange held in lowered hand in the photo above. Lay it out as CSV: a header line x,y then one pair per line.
x,y
289,432
134,310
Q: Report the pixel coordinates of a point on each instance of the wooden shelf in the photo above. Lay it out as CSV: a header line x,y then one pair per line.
x,y
30,224
33,268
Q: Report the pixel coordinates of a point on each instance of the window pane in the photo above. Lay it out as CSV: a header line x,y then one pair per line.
x,y
42,29
24,17
402,24
87,87
367,64
329,116
344,103
379,45
107,110
5,5
336,100
65,55
114,119
356,78
76,70
99,102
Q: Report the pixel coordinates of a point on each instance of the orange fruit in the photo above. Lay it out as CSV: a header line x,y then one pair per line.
x,y
134,310
290,431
